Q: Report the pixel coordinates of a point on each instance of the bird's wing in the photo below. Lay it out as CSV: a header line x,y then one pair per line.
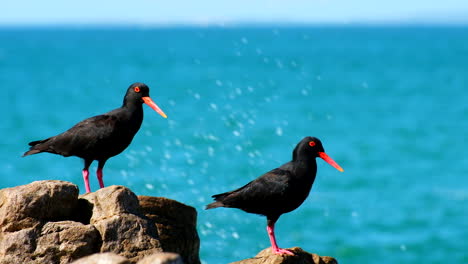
x,y
261,192
80,138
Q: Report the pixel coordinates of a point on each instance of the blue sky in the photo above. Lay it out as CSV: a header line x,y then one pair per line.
x,y
219,11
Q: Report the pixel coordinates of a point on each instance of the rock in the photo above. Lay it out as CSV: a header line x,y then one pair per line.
x,y
111,201
46,222
301,257
162,258
65,241
28,205
176,223
54,242
123,230
129,236
103,258
17,247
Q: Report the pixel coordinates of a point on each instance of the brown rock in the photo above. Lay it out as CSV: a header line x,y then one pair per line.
x,y
111,201
46,222
176,223
28,205
17,247
162,258
54,242
63,242
300,257
103,258
129,236
124,231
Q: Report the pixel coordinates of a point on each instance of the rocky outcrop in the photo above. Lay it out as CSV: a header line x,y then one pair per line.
x,y
99,258
112,258
30,205
116,215
162,258
300,257
176,223
47,222
34,226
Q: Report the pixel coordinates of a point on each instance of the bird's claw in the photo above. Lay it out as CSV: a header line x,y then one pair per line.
x,y
280,251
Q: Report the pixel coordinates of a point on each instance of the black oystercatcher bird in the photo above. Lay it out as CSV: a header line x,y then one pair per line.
x,y
280,190
103,136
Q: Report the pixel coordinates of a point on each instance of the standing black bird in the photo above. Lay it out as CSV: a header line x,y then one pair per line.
x,y
280,190
103,136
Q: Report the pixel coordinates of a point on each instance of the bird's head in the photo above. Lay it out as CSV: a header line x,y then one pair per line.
x,y
139,93
312,147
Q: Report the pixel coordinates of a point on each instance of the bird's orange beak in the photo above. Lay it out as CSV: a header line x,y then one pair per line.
x,y
147,100
330,161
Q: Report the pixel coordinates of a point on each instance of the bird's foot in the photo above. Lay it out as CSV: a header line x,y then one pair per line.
x,y
281,251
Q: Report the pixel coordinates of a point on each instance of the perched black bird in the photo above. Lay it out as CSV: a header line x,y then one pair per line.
x,y
280,190
103,136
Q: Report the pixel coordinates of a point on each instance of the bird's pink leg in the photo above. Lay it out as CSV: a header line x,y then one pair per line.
x,y
274,247
99,176
86,180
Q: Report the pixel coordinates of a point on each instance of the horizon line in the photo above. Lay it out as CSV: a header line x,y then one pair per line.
x,y
201,24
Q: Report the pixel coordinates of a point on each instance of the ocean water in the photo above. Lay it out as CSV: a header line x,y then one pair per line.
x,y
390,105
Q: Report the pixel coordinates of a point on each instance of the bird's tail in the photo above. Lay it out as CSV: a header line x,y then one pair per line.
x,y
214,205
35,147
218,201
30,152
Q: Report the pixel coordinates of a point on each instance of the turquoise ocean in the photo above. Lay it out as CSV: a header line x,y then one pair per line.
x,y
390,104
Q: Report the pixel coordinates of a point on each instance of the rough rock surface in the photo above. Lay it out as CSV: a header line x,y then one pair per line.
x,y
29,205
162,258
176,223
111,201
300,257
47,222
62,242
103,258
112,258
123,230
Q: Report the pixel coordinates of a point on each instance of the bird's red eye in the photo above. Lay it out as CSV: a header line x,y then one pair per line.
x,y
311,143
136,89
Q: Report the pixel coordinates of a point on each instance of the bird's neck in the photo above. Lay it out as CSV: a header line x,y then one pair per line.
x,y
133,112
132,106
305,167
303,159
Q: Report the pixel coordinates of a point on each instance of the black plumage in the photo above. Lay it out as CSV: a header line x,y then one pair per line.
x,y
280,190
103,136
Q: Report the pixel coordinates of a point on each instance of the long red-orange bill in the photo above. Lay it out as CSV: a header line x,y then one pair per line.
x,y
330,161
153,105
